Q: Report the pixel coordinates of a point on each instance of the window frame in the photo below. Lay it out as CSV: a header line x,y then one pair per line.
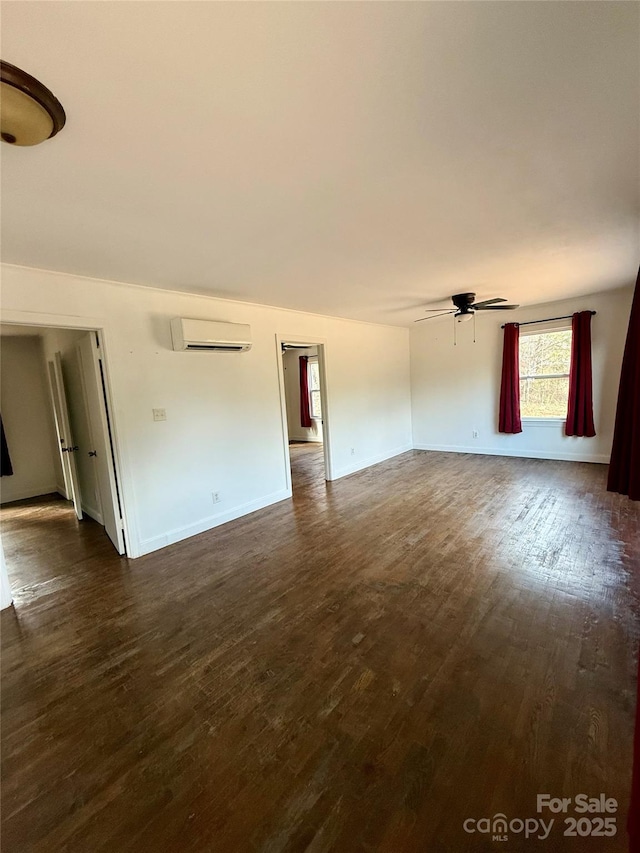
x,y
541,329
313,359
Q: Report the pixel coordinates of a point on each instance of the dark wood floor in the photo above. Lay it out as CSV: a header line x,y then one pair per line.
x,y
362,668
307,467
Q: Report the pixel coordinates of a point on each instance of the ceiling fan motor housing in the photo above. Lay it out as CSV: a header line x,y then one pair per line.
x,y
463,301
466,306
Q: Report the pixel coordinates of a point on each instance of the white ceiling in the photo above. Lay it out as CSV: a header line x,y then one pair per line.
x,y
352,159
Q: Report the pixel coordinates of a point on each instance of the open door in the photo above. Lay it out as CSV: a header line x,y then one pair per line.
x,y
291,385
63,431
102,451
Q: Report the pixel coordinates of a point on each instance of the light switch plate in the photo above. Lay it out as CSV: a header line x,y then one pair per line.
x,y
159,414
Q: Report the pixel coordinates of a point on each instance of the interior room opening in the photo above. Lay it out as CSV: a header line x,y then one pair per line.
x,y
59,475
305,419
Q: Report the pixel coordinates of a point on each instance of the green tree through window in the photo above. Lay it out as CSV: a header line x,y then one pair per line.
x,y
545,358
314,389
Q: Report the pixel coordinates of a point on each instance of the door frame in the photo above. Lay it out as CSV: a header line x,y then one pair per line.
x,y
62,418
95,512
98,325
321,343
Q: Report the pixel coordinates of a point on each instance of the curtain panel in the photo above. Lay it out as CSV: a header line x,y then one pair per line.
x,y
580,406
6,468
624,468
305,410
509,417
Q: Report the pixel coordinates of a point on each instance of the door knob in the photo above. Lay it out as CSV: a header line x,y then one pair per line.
x,y
93,453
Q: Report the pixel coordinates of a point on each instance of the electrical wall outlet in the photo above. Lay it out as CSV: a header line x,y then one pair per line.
x,y
474,433
159,414
216,497
353,451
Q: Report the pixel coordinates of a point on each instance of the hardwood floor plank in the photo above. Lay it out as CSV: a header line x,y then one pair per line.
x,y
361,668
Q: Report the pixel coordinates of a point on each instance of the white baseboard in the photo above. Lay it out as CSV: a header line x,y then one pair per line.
x,y
599,458
9,495
360,465
146,546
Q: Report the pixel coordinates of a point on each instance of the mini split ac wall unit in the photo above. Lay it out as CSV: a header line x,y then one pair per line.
x,y
209,336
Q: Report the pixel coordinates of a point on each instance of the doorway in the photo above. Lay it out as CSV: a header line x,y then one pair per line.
x,y
303,371
58,431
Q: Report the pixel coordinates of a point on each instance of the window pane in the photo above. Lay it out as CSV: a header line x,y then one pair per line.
x,y
548,352
314,376
316,406
544,398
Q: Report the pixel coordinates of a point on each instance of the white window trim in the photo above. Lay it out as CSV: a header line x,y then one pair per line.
x,y
544,422
540,329
313,359
546,376
551,326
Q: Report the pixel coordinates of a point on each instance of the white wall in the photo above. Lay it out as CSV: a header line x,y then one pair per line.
x,y
291,364
28,421
456,389
224,429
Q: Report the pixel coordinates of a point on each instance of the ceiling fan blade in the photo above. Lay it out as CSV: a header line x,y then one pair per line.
x,y
446,300
487,302
428,310
495,307
434,316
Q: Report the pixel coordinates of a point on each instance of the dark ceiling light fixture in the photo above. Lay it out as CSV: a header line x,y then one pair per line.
x,y
466,307
286,347
29,112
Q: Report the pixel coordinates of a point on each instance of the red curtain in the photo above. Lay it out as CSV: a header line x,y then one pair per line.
x,y
509,418
6,468
624,469
580,408
305,411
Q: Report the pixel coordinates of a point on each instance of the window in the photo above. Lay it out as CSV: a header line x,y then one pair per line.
x,y
545,358
313,373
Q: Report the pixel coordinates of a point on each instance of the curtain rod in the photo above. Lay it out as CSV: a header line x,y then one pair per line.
x,y
548,320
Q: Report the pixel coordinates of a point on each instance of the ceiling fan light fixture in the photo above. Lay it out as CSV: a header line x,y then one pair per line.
x,y
29,112
465,307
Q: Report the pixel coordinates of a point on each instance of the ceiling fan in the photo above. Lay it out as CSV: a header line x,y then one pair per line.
x,y
286,347
465,307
